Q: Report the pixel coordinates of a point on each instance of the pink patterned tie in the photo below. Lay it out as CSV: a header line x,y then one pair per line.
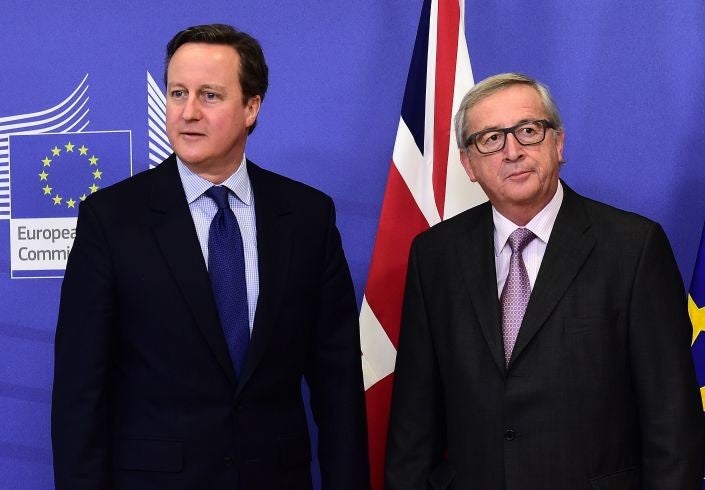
x,y
516,292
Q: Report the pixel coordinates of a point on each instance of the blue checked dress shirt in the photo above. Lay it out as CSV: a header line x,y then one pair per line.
x,y
242,202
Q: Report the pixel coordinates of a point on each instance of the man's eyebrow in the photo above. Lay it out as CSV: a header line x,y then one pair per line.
x,y
211,86
205,86
495,128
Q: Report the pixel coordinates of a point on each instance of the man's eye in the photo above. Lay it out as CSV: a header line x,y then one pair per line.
x,y
210,96
489,137
177,94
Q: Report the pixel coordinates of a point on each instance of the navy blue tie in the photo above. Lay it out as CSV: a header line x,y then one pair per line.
x,y
226,267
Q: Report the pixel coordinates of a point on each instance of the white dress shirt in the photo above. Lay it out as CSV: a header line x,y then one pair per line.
x,y
541,225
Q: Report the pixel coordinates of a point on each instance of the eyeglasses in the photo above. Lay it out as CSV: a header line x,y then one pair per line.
x,y
493,140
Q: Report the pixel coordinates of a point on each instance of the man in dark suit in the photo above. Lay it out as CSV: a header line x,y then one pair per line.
x,y
157,385
545,338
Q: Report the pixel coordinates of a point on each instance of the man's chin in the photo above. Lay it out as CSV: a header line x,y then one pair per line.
x,y
523,193
193,161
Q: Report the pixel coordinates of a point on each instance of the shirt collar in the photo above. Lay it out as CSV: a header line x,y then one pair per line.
x,y
195,185
541,224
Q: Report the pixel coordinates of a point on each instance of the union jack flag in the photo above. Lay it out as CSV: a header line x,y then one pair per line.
x,y
426,184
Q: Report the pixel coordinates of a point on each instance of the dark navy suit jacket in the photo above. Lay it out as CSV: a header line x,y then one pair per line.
x,y
145,396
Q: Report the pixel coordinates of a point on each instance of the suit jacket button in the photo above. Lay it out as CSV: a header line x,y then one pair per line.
x,y
228,461
509,435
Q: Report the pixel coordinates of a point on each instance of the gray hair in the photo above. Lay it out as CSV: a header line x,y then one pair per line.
x,y
493,84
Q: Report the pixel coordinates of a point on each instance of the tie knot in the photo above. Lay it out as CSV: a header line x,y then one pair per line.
x,y
219,193
520,238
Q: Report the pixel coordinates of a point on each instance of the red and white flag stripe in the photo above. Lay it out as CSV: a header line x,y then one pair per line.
x,y
425,185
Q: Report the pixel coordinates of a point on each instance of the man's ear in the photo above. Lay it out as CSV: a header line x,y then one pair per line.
x,y
560,139
465,160
252,110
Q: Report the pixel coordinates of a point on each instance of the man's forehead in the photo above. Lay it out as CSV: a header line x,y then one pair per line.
x,y
206,45
203,64
506,107
196,52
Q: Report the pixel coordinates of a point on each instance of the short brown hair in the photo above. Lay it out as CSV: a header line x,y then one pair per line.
x,y
253,73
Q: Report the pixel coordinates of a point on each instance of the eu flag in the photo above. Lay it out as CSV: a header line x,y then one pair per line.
x,y
696,309
50,174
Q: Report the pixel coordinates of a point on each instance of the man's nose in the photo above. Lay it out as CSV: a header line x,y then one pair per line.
x,y
192,111
512,148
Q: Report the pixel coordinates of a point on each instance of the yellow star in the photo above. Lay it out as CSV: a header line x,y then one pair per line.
x,y
83,150
56,151
57,200
94,188
71,203
702,395
47,190
97,174
69,146
83,197
43,175
46,162
93,159
697,318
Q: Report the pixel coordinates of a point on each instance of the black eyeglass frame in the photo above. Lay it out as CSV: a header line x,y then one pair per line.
x,y
472,139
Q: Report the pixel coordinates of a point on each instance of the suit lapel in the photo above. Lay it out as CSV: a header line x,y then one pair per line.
x,y
274,243
175,234
568,248
475,250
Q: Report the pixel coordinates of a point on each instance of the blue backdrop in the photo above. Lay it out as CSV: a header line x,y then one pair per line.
x,y
627,76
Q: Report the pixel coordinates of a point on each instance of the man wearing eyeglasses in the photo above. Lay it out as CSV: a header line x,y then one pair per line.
x,y
545,342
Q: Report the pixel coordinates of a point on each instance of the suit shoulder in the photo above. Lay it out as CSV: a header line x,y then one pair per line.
x,y
126,191
616,230
609,217
467,219
272,183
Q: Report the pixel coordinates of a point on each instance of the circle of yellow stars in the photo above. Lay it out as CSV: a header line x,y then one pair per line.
x,y
55,153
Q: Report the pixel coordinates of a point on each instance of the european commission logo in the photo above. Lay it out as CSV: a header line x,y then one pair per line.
x,y
50,175
49,164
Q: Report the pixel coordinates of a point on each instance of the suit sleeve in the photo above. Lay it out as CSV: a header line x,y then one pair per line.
x,y
415,441
334,374
670,410
80,397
